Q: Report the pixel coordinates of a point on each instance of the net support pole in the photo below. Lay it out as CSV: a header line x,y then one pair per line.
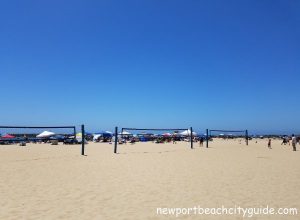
x,y
116,140
207,138
191,138
82,139
246,137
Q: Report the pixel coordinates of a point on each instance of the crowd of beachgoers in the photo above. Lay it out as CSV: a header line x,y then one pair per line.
x,y
125,137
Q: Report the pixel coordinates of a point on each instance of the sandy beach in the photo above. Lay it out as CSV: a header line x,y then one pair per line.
x,y
41,181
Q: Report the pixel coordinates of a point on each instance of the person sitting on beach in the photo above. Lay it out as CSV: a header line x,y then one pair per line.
x,y
294,142
132,141
269,143
120,140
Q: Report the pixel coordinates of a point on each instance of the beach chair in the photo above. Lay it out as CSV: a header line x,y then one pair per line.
x,y
22,144
54,142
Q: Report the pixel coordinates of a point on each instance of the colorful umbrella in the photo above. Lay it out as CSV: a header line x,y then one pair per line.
x,y
7,136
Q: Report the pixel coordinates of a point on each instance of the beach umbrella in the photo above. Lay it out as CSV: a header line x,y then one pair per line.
x,y
7,136
57,137
96,136
45,134
188,133
79,135
103,132
176,134
85,133
79,138
167,134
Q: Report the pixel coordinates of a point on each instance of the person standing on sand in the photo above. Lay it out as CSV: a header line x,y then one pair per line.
x,y
201,141
174,139
269,143
294,142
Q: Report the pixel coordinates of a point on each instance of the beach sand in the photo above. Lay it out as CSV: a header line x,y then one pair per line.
x,y
41,181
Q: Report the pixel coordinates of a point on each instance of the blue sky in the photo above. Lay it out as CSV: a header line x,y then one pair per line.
x,y
206,64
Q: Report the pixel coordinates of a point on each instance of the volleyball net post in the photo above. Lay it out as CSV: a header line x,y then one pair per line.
x,y
207,138
116,140
82,140
191,137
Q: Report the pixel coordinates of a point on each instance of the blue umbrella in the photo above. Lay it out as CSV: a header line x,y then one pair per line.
x,y
105,133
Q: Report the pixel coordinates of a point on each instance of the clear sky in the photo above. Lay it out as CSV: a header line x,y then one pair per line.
x,y
153,63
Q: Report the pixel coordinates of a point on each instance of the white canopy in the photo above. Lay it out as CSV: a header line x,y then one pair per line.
x,y
45,134
188,133
125,133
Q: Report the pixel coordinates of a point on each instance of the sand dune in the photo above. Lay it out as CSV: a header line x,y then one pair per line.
x,y
41,181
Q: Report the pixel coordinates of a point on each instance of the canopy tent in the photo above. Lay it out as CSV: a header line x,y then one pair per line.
x,y
125,133
188,133
45,134
7,136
